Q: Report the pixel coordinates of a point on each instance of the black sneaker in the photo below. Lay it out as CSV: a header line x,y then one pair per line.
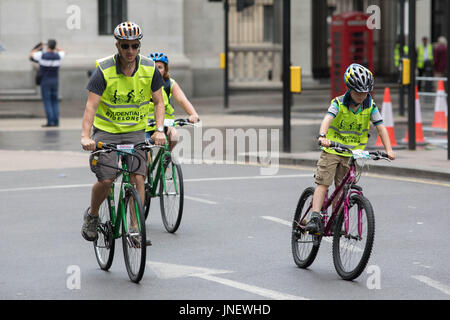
x,y
315,225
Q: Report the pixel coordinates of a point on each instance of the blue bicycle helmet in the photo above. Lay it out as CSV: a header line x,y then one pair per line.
x,y
162,57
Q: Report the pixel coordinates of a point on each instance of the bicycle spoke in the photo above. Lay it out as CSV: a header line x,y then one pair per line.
x,y
133,237
104,245
171,197
351,250
304,245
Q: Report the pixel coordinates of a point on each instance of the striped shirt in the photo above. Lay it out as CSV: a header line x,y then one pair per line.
x,y
49,63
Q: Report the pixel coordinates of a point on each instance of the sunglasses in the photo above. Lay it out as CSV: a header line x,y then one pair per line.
x,y
125,46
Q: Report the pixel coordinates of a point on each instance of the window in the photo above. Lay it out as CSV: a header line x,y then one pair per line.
x,y
269,23
110,14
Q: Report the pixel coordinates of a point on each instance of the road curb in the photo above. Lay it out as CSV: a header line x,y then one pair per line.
x,y
409,172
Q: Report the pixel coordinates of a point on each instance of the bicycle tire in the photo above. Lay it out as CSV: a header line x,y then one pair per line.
x,y
105,244
148,199
343,241
304,252
171,215
134,245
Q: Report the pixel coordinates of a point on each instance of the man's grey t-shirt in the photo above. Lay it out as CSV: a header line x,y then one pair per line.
x,y
97,83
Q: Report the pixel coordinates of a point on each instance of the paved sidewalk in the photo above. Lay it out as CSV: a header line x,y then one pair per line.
x,y
254,111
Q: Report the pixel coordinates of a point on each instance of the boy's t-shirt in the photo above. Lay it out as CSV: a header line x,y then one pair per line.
x,y
375,115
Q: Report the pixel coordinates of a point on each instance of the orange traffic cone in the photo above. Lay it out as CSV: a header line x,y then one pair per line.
x,y
440,108
388,118
420,139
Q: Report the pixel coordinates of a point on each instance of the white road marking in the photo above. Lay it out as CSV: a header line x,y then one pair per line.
x,y
278,220
248,178
69,186
200,200
433,283
172,271
271,294
186,180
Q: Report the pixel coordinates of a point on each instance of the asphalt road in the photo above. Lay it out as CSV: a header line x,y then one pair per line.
x,y
233,243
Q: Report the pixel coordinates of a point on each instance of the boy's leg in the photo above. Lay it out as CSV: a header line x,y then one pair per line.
x,y
326,169
341,171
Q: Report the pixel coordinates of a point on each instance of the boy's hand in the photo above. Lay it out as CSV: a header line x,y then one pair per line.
x,y
324,142
391,155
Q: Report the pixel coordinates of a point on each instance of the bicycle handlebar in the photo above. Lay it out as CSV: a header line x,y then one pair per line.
x,y
377,155
108,147
181,122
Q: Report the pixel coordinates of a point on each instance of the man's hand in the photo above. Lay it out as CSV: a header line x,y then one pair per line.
x,y
88,144
159,138
324,142
193,118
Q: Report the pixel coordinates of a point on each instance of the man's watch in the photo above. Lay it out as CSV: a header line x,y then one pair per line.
x,y
321,135
160,129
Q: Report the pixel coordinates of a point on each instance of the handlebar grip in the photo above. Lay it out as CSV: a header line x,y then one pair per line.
x,y
99,145
94,160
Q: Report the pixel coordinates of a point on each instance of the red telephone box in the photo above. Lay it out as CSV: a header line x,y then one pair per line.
x,y
351,42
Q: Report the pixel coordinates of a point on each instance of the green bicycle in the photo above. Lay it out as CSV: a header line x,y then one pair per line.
x,y
165,180
125,220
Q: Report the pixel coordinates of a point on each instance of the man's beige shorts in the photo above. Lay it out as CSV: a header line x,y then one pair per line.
x,y
331,167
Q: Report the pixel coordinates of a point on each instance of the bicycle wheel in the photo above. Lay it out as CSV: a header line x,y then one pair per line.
x,y
134,235
172,198
148,198
105,243
304,245
148,194
352,249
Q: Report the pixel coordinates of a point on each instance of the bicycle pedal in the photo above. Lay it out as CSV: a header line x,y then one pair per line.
x,y
148,243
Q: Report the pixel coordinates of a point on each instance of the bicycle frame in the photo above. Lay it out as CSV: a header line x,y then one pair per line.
x,y
347,191
158,164
120,215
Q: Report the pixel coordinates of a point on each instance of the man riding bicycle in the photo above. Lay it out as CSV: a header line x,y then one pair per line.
x,y
346,122
120,90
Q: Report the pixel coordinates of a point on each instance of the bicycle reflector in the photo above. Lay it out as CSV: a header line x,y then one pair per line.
x,y
94,160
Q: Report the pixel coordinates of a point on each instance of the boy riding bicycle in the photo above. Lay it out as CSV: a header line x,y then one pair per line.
x,y
347,122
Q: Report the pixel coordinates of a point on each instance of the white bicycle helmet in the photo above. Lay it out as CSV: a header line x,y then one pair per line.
x,y
358,78
128,31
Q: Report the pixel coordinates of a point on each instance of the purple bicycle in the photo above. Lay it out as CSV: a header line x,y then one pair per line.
x,y
351,223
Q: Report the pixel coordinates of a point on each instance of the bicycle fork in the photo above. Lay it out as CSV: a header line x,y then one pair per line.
x,y
347,205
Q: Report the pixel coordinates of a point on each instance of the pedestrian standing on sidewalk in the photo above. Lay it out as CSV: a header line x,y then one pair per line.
x,y
424,59
440,57
49,62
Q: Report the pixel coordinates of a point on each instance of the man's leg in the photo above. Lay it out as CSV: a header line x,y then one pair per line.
x,y
46,99
419,83
99,192
55,104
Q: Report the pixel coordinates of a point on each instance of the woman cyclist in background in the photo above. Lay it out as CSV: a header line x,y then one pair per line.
x,y
171,88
